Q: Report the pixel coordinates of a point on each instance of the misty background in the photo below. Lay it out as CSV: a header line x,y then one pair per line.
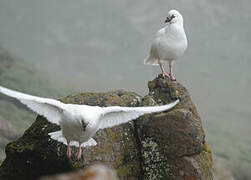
x,y
96,45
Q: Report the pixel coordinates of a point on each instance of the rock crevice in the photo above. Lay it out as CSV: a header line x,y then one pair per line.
x,y
139,148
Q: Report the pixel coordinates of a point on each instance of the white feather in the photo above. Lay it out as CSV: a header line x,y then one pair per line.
x,y
58,136
115,115
49,108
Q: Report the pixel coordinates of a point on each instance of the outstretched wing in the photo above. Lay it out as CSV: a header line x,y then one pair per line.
x,y
49,108
115,115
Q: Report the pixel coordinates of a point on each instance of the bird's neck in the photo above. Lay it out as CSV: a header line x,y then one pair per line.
x,y
177,23
174,27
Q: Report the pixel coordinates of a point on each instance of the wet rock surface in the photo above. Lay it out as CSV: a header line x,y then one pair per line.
x,y
167,145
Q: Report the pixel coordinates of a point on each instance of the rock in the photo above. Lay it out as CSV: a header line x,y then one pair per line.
x,y
173,144
94,172
167,145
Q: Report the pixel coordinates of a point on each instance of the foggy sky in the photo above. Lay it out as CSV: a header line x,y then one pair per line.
x,y
96,45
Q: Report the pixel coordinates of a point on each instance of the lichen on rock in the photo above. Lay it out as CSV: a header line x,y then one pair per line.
x,y
166,145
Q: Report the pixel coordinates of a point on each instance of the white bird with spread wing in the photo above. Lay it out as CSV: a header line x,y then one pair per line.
x,y
169,44
79,123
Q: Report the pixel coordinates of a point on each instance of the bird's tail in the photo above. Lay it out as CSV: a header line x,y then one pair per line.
x,y
151,61
90,142
58,136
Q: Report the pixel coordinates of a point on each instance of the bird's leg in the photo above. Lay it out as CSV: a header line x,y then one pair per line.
x,y
171,71
79,152
68,152
163,70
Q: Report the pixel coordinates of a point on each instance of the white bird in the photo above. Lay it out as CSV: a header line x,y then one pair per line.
x,y
169,43
79,123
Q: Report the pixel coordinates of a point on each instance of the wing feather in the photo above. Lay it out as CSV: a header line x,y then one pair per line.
x,y
115,115
49,108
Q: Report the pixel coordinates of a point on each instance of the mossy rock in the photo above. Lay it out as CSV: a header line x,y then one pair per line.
x,y
171,142
167,145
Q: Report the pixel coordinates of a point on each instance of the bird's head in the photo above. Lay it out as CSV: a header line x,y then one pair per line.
x,y
174,17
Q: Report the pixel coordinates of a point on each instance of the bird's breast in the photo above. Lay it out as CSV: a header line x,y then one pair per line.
x,y
71,129
171,46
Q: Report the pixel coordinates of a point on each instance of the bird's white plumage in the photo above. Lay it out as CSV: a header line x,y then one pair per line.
x,y
58,136
79,123
169,42
116,115
49,108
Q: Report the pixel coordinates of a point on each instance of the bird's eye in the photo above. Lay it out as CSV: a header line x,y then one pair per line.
x,y
172,16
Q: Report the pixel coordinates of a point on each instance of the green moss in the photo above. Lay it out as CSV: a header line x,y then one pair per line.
x,y
77,165
207,148
154,166
124,166
205,159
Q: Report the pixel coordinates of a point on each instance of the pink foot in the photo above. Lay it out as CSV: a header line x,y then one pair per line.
x,y
171,71
68,152
79,152
164,74
172,77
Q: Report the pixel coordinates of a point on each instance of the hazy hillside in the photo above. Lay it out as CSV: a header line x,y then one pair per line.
x,y
100,45
22,76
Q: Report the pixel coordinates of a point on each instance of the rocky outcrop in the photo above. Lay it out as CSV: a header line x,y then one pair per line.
x,y
167,145
173,144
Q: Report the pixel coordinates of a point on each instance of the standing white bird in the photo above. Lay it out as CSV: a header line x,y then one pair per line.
x,y
79,123
169,43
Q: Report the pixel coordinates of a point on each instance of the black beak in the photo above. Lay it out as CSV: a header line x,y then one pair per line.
x,y
168,19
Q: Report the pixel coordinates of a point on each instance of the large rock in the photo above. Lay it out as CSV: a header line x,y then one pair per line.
x,y
173,143
167,145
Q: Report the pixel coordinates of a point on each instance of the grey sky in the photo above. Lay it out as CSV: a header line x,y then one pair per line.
x,y
100,45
